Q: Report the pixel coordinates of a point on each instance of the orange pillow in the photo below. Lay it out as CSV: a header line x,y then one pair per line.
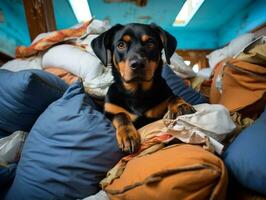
x,y
175,172
63,74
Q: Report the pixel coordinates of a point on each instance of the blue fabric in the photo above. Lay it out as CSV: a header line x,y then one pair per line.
x,y
24,95
7,175
180,89
245,158
68,151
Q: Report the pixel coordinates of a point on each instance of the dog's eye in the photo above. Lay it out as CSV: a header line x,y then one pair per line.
x,y
121,45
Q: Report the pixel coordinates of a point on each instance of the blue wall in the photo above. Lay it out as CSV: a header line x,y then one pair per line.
x,y
214,25
14,30
249,18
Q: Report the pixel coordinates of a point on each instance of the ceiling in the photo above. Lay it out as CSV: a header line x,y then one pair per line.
x,y
211,15
214,25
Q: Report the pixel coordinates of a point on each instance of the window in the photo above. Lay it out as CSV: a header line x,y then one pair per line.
x,y
81,9
186,13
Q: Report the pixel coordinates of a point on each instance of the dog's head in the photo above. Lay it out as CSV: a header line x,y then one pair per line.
x,y
135,50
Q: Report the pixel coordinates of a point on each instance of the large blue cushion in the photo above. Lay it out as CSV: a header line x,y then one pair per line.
x,y
180,89
68,151
246,156
7,174
24,95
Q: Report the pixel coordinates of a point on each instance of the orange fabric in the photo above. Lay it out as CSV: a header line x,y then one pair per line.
x,y
243,84
53,38
175,172
63,74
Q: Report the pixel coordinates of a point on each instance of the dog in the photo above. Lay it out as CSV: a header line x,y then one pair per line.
x,y
139,95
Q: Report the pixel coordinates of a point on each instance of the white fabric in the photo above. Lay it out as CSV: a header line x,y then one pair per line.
x,y
231,50
94,29
74,60
205,73
100,84
33,62
11,146
101,195
212,120
179,66
216,56
239,43
98,26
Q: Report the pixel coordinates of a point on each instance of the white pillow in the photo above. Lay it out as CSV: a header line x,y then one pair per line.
x,y
234,47
239,43
205,73
74,60
34,62
179,66
216,56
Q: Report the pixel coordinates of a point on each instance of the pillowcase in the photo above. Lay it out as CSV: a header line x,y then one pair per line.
x,y
68,151
245,157
180,89
74,60
175,172
24,96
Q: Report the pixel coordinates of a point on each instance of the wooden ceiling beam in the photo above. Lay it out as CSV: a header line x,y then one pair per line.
x,y
40,16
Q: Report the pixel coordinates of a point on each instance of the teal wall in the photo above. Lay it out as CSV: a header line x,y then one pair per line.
x,y
242,22
214,25
14,30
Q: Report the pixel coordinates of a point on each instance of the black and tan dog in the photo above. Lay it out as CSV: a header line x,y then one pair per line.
x,y
139,94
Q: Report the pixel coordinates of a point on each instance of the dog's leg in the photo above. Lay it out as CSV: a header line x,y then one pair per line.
x,y
177,106
126,134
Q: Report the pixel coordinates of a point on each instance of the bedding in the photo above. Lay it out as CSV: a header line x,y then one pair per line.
x,y
179,66
11,147
237,84
34,62
245,157
7,174
181,89
155,176
44,42
24,96
211,121
68,151
233,48
66,76
74,60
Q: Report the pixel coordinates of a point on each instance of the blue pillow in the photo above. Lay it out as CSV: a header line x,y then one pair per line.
x,y
68,151
245,158
7,174
24,95
180,89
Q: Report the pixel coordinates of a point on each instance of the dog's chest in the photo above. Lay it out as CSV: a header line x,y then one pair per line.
x,y
139,106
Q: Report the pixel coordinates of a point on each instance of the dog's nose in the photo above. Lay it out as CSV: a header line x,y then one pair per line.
x,y
137,64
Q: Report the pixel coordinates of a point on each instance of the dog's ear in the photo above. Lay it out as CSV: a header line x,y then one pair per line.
x,y
103,42
169,42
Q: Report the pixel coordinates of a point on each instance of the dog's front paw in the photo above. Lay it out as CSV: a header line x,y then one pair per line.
x,y
128,138
178,106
